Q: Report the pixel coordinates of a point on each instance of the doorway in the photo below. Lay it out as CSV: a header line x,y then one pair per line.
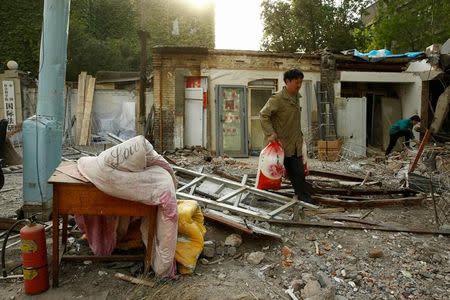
x,y
351,126
193,117
257,98
231,120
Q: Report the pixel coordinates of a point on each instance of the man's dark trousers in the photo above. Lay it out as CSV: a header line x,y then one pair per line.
x,y
394,137
295,170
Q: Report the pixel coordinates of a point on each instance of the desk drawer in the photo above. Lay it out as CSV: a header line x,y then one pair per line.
x,y
88,200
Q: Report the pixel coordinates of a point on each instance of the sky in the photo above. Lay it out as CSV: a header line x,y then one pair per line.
x,y
238,24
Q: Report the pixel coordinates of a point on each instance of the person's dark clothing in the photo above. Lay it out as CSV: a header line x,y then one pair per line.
x,y
295,171
394,137
400,128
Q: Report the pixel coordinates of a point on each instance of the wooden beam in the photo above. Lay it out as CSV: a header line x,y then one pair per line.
x,y
335,175
80,104
425,100
360,227
101,258
369,203
135,280
420,150
84,135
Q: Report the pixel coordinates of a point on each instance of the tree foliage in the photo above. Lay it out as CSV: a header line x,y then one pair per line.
x,y
410,25
103,34
310,25
20,34
178,22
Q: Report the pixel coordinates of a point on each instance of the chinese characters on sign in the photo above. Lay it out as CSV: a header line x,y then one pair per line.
x,y
9,103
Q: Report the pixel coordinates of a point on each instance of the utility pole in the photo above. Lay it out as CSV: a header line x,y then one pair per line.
x,y
42,133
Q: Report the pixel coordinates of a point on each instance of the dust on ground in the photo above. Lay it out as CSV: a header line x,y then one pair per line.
x,y
326,263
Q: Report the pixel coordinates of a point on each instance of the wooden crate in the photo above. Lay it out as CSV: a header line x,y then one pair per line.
x,y
329,150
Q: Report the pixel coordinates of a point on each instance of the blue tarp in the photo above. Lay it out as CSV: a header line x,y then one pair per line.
x,y
377,55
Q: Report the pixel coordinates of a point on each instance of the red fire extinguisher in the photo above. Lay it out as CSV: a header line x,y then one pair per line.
x,y
34,258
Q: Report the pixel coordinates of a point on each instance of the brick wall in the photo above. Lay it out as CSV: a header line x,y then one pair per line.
x,y
169,61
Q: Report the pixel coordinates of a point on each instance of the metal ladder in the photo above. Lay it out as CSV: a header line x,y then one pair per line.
x,y
236,197
327,122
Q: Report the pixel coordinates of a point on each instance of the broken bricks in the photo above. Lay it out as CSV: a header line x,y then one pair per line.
x,y
229,247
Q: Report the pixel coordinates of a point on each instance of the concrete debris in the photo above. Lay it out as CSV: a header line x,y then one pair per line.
x,y
209,250
324,279
311,288
231,251
379,260
234,240
255,258
314,291
297,285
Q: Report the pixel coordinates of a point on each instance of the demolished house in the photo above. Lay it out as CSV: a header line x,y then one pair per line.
x,y
220,93
210,100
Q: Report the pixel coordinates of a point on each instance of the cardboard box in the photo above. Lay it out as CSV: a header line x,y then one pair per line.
x,y
329,150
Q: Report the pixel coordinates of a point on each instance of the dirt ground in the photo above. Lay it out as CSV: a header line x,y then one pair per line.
x,y
349,263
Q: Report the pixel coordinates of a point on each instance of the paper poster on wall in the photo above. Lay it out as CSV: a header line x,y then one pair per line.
x,y
232,121
199,82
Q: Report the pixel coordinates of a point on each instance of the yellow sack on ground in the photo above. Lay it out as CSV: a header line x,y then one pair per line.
x,y
191,232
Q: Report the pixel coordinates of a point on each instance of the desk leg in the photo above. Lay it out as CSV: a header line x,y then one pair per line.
x,y
151,236
55,252
64,232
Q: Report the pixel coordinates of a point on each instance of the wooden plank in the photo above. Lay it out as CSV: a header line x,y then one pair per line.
x,y
322,211
84,135
351,219
63,177
424,141
369,203
80,104
72,171
359,226
102,258
135,280
335,175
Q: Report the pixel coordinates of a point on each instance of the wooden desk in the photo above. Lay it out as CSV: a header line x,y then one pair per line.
x,y
73,196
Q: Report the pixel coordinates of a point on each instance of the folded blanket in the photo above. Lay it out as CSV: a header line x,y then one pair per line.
x,y
134,171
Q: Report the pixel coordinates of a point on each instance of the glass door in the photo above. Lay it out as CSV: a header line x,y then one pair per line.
x,y
231,121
